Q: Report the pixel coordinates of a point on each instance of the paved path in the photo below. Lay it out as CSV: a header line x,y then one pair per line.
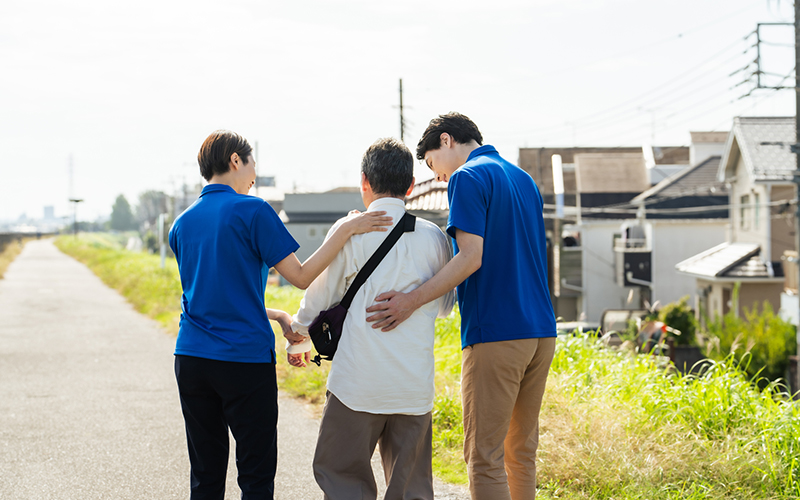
x,y
88,403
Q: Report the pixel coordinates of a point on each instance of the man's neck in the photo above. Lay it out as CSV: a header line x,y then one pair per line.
x,y
376,197
464,150
228,180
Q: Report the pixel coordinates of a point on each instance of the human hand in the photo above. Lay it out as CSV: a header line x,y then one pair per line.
x,y
294,338
392,309
366,222
299,360
283,319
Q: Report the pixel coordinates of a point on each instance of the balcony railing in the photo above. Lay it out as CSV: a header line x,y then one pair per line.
x,y
631,245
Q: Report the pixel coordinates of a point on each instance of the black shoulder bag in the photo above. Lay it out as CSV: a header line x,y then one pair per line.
x,y
326,330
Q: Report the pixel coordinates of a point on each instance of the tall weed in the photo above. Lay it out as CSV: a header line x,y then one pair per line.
x,y
762,336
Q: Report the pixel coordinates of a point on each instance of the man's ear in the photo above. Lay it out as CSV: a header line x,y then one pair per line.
x,y
445,141
235,161
411,187
365,183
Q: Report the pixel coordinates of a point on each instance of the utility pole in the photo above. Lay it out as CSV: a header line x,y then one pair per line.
x,y
75,202
796,147
402,120
72,198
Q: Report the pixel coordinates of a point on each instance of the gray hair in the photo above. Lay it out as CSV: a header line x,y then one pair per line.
x,y
388,166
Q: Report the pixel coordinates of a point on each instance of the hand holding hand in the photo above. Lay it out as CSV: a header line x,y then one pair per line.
x,y
294,338
392,309
299,360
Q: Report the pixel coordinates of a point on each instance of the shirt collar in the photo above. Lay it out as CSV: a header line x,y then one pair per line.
x,y
384,203
215,188
483,150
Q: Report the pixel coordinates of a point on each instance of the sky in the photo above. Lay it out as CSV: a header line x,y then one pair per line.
x,y
123,94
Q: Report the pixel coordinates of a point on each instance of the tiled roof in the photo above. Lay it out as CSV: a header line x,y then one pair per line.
x,y
727,260
708,137
764,144
699,180
428,195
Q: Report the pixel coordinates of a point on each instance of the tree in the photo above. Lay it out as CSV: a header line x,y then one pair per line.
x,y
122,216
151,204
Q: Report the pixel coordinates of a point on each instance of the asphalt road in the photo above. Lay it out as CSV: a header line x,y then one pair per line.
x,y
88,403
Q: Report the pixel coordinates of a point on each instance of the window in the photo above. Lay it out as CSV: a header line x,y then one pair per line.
x,y
744,201
756,211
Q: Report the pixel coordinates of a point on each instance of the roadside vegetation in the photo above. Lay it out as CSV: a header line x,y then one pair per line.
x,y
9,253
137,276
615,424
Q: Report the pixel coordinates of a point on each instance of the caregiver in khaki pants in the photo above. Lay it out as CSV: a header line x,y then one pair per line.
x,y
508,328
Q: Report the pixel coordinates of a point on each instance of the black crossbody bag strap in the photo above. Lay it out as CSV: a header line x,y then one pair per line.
x,y
406,225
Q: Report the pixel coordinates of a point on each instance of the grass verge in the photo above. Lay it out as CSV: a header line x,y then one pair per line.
x,y
9,253
614,425
138,276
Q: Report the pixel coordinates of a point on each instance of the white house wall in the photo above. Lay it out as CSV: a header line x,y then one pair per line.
x,y
675,241
749,224
600,289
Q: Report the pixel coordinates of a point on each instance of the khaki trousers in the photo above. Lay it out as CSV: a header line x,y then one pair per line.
x,y
502,385
347,439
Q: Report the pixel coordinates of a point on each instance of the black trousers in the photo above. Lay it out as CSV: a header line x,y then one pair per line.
x,y
215,396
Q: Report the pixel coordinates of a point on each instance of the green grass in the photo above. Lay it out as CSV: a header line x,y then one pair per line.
x,y
614,425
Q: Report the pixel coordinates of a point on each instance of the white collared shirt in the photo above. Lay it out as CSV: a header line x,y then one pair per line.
x,y
375,371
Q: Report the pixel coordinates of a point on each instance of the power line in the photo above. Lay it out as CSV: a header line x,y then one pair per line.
x,y
670,211
625,107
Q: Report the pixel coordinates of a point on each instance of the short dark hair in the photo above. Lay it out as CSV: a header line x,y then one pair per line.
x,y
459,127
215,153
388,166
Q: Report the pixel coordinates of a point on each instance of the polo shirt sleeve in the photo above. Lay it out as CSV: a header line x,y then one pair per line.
x,y
469,203
172,243
271,240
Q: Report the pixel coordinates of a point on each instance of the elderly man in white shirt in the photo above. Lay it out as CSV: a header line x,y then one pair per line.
x,y
380,387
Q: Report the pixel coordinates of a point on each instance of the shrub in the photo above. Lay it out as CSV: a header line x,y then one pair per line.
x,y
767,338
679,315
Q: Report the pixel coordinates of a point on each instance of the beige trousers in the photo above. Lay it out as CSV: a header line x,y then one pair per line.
x,y
502,385
345,445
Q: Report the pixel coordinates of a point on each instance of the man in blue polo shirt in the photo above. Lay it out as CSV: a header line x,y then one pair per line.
x,y
225,244
507,323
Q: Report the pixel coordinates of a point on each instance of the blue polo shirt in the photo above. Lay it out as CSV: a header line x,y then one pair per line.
x,y
508,297
225,244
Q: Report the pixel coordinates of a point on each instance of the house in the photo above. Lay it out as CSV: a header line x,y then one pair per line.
x,y
635,213
538,163
428,200
758,166
602,220
309,216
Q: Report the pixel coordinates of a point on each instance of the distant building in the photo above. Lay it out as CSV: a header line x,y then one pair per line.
x,y
428,200
625,226
759,167
309,216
